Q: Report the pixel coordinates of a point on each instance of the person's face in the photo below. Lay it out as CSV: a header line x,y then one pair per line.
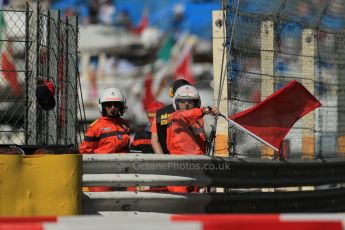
x,y
111,109
185,104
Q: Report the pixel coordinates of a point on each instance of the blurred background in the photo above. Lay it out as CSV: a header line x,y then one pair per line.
x,y
142,46
138,46
127,43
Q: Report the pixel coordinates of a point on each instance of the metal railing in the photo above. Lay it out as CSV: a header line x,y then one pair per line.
x,y
251,185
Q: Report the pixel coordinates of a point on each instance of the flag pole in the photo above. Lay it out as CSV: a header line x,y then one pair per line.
x,y
247,131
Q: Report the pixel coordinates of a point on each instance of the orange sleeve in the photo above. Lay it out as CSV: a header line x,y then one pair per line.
x,y
154,126
88,145
190,116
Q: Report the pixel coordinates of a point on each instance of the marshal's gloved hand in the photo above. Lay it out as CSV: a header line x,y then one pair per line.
x,y
211,110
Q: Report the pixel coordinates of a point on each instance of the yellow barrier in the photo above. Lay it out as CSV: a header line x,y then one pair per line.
x,y
341,145
221,145
40,185
308,146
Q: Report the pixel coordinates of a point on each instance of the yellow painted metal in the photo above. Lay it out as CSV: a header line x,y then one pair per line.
x,y
267,152
40,185
341,145
221,145
308,146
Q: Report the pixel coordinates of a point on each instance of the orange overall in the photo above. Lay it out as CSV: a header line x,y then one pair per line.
x,y
186,136
106,135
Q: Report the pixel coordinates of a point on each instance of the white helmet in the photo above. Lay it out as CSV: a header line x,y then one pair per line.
x,y
112,95
186,92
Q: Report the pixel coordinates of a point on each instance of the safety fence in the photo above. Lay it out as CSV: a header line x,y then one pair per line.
x,y
271,42
246,185
39,45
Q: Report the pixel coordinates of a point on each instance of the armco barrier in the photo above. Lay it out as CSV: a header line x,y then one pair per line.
x,y
261,202
122,170
135,169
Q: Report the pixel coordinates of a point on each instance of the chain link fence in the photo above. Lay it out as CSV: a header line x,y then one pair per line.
x,y
271,42
37,46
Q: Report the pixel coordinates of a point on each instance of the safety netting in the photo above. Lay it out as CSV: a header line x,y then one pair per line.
x,y
271,42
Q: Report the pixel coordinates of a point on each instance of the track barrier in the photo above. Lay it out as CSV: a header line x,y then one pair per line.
x,y
245,181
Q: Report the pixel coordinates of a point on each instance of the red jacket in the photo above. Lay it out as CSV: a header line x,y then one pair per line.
x,y
185,133
106,135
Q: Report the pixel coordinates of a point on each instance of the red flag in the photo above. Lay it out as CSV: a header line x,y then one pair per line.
x,y
271,119
144,22
148,95
9,71
184,70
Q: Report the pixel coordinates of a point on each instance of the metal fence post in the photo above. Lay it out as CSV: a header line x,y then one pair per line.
x,y
308,79
32,57
219,68
52,73
71,81
340,38
267,67
27,72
